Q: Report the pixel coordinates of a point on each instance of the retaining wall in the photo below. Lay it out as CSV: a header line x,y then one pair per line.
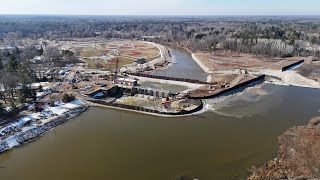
x,y
236,88
291,66
142,109
169,78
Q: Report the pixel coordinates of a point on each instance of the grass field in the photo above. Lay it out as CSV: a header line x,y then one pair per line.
x,y
92,63
103,55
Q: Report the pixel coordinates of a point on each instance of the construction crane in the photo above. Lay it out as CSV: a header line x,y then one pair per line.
x,y
117,64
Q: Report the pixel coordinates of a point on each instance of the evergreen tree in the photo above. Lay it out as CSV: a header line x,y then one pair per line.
x,y
12,65
1,64
40,51
2,110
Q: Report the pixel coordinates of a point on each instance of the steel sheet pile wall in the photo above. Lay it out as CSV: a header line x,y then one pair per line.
x,y
142,109
286,68
237,88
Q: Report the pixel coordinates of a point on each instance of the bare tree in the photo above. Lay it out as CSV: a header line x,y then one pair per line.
x,y
52,54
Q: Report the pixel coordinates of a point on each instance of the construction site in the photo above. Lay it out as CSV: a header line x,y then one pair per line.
x,y
120,74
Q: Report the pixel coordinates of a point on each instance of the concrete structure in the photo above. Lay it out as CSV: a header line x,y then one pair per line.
x,y
126,81
103,92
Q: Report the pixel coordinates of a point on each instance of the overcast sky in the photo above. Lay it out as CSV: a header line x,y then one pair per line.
x,y
161,7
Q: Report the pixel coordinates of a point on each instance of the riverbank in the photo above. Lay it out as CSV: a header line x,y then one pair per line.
x,y
290,78
227,62
36,124
199,62
162,62
194,57
298,155
300,75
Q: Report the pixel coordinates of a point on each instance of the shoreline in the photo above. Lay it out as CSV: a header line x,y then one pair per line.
x,y
29,133
195,58
290,77
199,62
164,58
292,161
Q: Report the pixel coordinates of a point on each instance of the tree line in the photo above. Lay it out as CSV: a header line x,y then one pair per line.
x,y
263,36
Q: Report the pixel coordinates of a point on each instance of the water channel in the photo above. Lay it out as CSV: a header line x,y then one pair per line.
x,y
183,66
119,145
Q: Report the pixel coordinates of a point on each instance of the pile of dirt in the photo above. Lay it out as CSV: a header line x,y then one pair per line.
x,y
298,155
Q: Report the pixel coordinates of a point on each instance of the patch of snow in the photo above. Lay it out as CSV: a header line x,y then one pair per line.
x,y
58,110
71,105
41,94
12,142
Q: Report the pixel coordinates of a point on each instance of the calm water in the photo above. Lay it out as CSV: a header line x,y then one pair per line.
x,y
119,145
183,67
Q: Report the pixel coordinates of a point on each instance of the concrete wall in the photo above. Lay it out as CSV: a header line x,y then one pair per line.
x,y
190,85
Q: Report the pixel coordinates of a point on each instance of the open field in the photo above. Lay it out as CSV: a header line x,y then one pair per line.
x,y
104,55
107,65
229,61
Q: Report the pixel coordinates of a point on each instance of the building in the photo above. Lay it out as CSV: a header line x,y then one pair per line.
x,y
103,92
126,82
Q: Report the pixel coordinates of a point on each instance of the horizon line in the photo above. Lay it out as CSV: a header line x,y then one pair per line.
x,y
39,14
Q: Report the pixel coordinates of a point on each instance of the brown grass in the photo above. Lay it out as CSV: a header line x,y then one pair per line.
x,y
106,66
231,61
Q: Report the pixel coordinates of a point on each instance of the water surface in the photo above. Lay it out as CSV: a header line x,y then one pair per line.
x,y
118,145
183,66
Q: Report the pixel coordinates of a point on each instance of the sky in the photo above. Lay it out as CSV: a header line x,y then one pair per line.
x,y
161,7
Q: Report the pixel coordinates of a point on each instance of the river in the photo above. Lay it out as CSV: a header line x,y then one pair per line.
x,y
183,66
119,145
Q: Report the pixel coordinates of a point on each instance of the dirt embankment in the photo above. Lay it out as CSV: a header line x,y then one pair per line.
x,y
298,155
310,70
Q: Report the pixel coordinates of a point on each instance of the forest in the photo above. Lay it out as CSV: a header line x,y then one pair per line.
x,y
268,36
